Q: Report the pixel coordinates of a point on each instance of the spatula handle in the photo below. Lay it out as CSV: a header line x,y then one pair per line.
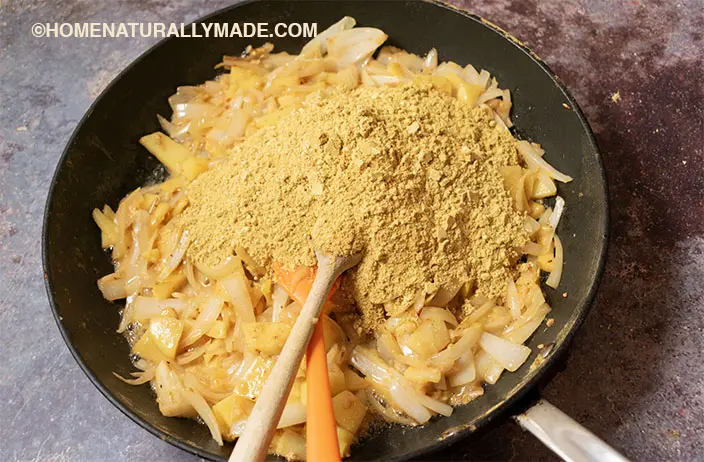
x,y
564,436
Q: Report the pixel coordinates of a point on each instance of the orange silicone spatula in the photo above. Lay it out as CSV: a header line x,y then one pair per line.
x,y
321,429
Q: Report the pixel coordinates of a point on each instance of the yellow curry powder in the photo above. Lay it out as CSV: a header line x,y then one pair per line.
x,y
407,175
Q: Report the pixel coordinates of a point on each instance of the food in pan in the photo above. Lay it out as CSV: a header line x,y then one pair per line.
x,y
347,147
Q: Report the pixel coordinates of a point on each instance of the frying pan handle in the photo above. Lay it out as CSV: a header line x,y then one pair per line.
x,y
564,436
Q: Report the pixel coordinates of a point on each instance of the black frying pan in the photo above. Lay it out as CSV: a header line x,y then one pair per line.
x,y
104,161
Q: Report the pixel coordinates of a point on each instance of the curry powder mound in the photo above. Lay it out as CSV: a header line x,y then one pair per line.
x,y
407,175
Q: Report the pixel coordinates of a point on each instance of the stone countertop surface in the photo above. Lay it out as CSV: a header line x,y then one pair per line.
x,y
635,375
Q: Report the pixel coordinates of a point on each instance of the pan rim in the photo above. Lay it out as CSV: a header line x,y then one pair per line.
x,y
497,411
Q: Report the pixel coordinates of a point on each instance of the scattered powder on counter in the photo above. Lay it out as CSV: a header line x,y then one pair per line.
x,y
405,174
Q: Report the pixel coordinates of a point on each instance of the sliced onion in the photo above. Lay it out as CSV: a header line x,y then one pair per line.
x,y
190,381
419,301
444,295
369,364
447,357
544,186
249,261
466,372
471,75
403,395
408,403
519,333
141,243
410,359
520,194
488,369
248,360
192,354
536,299
183,95
509,355
489,95
238,427
201,406
531,225
196,111
557,213
223,269
544,218
449,68
145,308
497,319
441,314
113,287
477,314
501,123
126,316
442,384
274,60
387,412
382,80
554,278
177,197
266,315
435,405
532,248
236,288
174,131
123,219
290,445
300,68
431,60
387,347
294,413
193,282
366,78
354,45
317,46
175,259
411,63
140,377
143,365
209,312
533,160
279,300
483,78
513,301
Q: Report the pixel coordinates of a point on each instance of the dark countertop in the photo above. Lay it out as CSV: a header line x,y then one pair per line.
x,y
635,375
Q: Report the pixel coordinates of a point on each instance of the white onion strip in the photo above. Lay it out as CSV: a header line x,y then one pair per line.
x,y
513,301
408,402
140,377
518,332
556,275
201,406
533,160
294,413
175,259
554,219
210,310
440,314
466,372
510,355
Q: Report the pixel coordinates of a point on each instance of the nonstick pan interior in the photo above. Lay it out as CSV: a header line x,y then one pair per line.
x,y
104,161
